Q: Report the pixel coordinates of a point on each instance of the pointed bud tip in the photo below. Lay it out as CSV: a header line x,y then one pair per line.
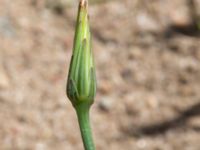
x,y
83,3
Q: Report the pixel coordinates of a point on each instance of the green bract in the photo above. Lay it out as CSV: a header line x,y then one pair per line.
x,y
81,85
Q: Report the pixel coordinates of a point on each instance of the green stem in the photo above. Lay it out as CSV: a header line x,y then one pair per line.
x,y
82,111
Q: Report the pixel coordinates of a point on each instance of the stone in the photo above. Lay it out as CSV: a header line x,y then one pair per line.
x,y
105,104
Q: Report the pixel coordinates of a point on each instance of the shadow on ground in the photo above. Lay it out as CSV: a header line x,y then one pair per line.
x,y
161,128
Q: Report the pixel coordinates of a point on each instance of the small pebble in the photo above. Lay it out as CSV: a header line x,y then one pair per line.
x,y
105,104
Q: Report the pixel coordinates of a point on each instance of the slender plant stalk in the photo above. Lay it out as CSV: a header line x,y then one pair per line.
x,y
81,84
84,123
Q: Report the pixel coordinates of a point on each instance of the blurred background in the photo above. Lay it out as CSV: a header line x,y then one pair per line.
x,y
147,55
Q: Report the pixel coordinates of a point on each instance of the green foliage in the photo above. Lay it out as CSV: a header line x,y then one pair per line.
x,y
81,86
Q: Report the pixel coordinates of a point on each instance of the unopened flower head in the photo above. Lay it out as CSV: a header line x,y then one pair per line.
x,y
81,86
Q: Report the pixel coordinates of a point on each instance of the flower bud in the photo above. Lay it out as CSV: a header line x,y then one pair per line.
x,y
81,84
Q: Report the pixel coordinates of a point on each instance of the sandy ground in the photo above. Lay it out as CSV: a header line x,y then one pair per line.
x,y
148,76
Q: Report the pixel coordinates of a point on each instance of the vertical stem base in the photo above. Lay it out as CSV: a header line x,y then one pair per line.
x,y
82,111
